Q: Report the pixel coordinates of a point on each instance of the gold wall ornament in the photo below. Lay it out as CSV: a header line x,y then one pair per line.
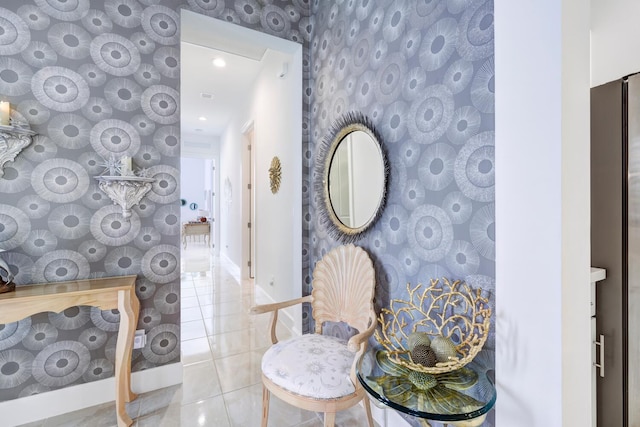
x,y
275,173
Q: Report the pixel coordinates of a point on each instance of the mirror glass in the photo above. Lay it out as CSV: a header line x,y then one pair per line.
x,y
356,179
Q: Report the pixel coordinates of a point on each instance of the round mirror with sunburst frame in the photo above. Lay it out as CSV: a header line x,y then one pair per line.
x,y
353,170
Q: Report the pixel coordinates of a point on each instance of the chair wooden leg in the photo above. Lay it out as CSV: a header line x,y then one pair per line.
x,y
329,419
265,406
367,408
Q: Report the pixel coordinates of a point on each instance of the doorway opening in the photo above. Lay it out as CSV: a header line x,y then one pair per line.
x,y
256,232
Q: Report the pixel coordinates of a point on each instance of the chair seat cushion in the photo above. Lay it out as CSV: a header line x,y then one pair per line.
x,y
311,365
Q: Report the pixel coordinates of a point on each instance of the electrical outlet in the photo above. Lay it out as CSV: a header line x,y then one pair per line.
x,y
140,339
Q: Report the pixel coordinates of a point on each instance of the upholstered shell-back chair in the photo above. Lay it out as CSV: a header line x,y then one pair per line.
x,y
316,372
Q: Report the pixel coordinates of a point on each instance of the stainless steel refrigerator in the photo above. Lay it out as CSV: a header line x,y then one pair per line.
x,y
615,245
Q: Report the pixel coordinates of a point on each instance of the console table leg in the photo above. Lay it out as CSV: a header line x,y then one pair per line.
x,y
128,305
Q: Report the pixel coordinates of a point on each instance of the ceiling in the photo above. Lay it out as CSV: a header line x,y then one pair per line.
x,y
229,88
203,39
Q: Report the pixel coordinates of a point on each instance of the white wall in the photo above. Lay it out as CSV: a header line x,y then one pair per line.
x,y
192,179
576,215
275,108
230,185
615,39
543,359
278,216
198,154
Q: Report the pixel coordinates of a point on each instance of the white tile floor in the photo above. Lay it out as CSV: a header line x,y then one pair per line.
x,y
222,346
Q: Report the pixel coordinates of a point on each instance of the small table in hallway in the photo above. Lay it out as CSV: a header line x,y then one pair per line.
x,y
196,229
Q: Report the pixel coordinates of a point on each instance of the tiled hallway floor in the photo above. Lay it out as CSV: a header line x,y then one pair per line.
x,y
222,346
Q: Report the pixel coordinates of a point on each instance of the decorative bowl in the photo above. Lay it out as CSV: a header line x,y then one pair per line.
x,y
452,310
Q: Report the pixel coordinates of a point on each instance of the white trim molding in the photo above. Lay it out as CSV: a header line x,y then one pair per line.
x,y
50,404
232,267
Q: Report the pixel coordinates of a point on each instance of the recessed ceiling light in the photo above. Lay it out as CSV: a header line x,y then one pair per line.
x,y
198,130
202,118
219,62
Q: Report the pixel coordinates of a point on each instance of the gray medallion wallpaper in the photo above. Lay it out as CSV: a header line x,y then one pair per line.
x,y
97,79
423,72
101,78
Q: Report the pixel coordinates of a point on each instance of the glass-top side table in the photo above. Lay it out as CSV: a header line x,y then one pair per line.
x,y
460,398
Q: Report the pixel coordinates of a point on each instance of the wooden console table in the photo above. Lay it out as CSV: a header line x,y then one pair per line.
x,y
195,229
106,293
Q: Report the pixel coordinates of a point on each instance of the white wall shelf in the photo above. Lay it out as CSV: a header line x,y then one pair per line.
x,y
13,139
125,190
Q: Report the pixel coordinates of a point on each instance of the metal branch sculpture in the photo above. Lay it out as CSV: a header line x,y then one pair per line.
x,y
452,310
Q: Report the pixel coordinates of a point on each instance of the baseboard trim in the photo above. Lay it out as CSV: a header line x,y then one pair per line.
x,y
50,404
231,267
287,318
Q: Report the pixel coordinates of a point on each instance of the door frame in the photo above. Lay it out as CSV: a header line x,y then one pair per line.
x,y
249,200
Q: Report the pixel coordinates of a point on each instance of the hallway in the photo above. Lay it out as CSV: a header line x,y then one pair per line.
x,y
222,346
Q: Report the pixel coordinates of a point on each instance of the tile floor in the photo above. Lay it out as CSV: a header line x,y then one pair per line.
x,y
222,346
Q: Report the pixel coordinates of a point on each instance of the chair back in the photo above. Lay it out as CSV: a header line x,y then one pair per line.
x,y
343,288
